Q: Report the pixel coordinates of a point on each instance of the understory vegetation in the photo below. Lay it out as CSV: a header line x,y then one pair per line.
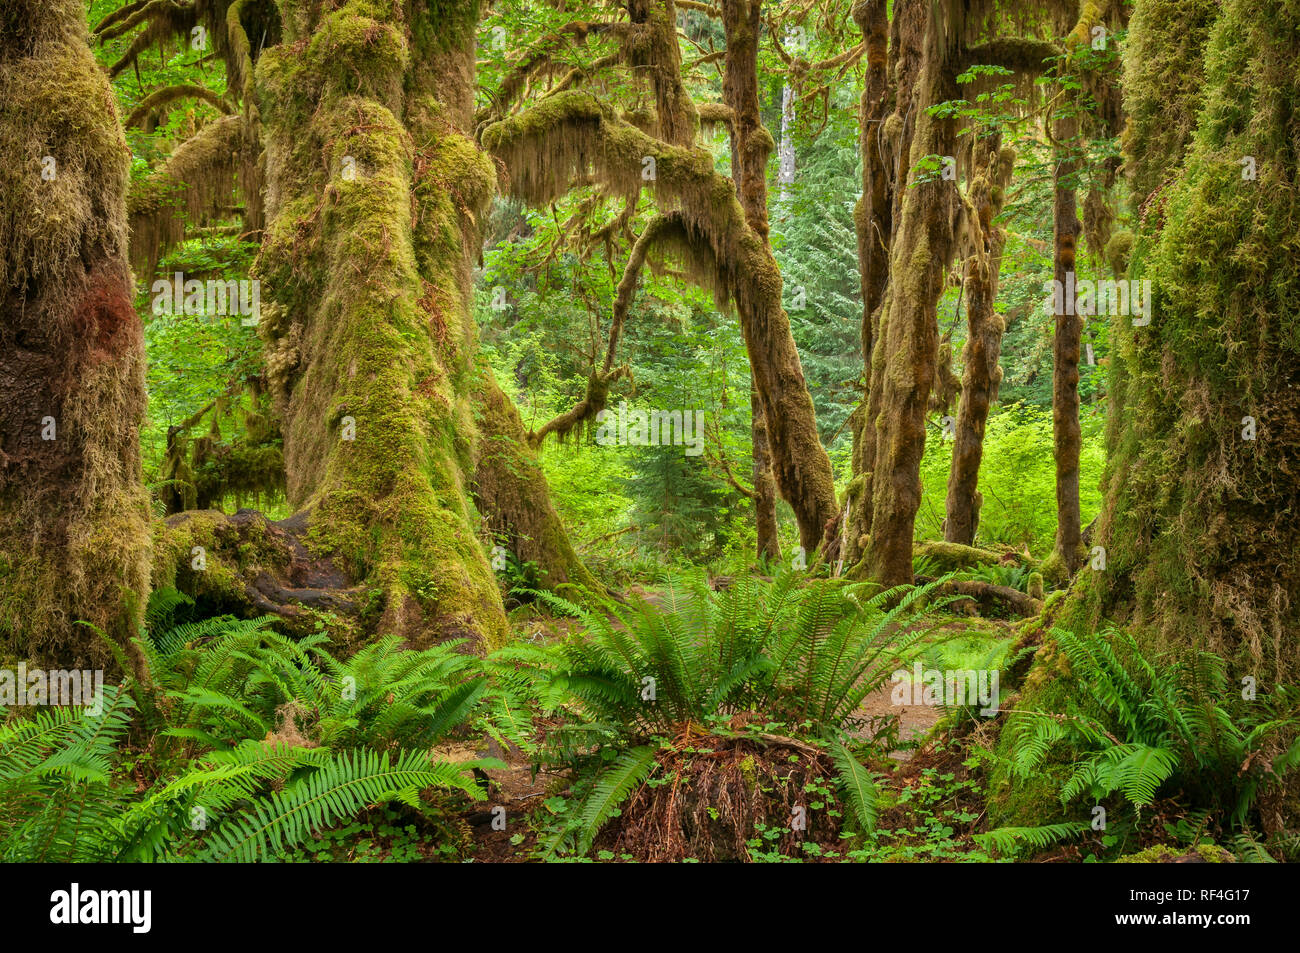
x,y
707,725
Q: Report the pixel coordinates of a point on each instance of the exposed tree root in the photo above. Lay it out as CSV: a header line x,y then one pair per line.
x,y
723,792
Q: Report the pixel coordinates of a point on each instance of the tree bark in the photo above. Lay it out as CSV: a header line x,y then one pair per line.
x,y
74,514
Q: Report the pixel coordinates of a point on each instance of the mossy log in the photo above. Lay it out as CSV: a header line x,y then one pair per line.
x,y
951,557
247,565
991,599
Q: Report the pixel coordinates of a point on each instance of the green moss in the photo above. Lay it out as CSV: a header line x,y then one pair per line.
x,y
950,557
1163,854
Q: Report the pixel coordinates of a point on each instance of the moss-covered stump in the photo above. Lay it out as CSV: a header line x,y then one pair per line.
x,y
74,515
247,565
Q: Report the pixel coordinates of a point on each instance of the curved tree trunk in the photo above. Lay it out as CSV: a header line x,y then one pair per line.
x,y
982,374
374,192
573,134
751,146
74,514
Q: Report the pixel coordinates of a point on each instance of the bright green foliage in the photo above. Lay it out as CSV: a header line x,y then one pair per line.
x,y
280,740
56,800
1017,479
806,655
341,787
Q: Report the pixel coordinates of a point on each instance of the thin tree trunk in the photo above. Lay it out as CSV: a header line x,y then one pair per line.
x,y
74,514
752,147
1066,343
982,374
768,545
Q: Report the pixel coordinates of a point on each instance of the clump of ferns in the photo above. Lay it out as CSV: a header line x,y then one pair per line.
x,y
791,655
280,740
1140,729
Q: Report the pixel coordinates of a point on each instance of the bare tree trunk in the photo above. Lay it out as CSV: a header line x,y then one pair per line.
x,y
74,514
982,374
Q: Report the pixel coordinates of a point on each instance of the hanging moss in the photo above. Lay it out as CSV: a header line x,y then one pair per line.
x,y
195,187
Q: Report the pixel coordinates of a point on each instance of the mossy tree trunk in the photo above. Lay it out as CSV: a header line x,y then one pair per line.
x,y
992,169
905,350
751,147
375,191
1203,475
511,492
894,53
768,544
74,514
